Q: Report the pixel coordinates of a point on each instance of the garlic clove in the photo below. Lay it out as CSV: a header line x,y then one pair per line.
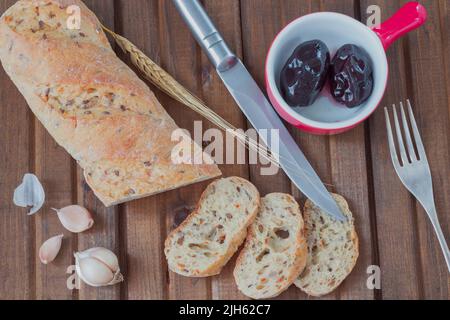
x,y
50,249
107,257
95,272
30,194
76,219
98,267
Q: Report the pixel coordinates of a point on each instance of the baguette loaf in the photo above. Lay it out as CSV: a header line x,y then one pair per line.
x,y
275,251
91,102
333,249
208,238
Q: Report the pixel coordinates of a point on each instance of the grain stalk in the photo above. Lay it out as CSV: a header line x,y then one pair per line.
x,y
166,83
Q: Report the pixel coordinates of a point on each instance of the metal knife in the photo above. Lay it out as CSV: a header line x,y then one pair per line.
x,y
255,106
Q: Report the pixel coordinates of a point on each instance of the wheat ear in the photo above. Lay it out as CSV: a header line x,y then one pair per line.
x,y
166,83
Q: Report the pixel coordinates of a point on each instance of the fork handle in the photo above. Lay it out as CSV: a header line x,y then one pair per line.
x,y
432,214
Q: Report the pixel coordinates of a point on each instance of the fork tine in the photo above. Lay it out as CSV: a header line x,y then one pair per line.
x,y
391,139
401,144
420,148
409,143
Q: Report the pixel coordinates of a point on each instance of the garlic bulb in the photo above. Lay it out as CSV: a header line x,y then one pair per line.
x,y
50,249
76,219
98,267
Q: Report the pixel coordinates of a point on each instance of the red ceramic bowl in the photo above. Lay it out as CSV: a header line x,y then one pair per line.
x,y
326,116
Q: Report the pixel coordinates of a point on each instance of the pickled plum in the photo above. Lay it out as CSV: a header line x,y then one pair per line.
x,y
304,74
351,76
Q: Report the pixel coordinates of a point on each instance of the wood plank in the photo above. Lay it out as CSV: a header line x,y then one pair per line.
x,y
315,147
261,21
54,166
144,220
105,232
56,169
226,16
181,57
430,102
348,165
444,9
260,24
17,272
395,221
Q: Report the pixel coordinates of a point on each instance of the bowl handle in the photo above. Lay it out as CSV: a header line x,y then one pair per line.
x,y
411,16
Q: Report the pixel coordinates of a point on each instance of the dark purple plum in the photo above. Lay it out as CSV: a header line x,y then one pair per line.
x,y
351,76
304,74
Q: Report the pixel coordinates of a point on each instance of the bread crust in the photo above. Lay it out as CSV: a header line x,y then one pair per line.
x,y
216,267
92,103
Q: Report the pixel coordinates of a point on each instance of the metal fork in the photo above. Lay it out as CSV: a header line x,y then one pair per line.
x,y
413,169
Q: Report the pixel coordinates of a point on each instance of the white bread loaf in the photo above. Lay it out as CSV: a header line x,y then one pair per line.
x,y
91,102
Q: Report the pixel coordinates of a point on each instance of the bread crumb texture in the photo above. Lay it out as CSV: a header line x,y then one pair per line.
x,y
208,238
275,251
332,246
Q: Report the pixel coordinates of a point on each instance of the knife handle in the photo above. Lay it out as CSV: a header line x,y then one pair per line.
x,y
206,34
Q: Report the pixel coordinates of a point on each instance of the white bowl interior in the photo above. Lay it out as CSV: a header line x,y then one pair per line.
x,y
334,30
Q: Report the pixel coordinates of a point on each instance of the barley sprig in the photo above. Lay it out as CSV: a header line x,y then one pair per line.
x,y
166,83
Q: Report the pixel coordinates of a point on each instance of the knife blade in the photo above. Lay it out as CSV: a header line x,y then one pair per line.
x,y
256,107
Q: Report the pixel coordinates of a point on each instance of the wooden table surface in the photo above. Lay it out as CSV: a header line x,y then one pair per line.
x,y
394,231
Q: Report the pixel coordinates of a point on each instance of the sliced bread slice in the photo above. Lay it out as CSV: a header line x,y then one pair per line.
x,y
208,238
275,252
332,246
